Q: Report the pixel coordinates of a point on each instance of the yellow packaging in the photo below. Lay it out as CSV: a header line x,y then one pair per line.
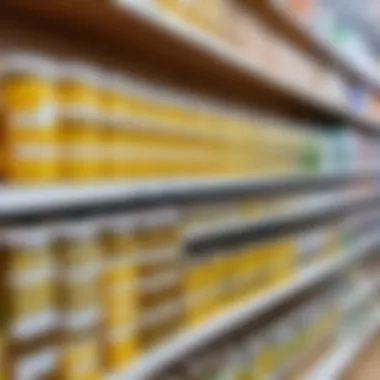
x,y
120,274
28,265
202,286
119,295
77,91
119,121
265,356
108,128
30,134
77,247
244,272
120,348
80,360
78,257
196,282
138,132
262,275
282,260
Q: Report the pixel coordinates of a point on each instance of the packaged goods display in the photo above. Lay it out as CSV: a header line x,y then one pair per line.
x,y
157,224
274,351
69,122
280,349
250,38
108,288
244,30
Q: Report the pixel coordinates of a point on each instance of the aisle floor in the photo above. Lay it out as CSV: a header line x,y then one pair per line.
x,y
367,366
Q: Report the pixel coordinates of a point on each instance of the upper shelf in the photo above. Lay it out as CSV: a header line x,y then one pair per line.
x,y
28,202
190,56
286,23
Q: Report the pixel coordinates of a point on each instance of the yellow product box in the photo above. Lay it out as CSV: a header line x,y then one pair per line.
x,y
29,284
220,281
200,289
120,348
28,248
77,247
250,269
118,237
79,126
78,255
80,293
265,355
226,264
239,273
212,286
119,277
33,310
140,133
283,259
110,119
120,305
262,267
30,140
197,275
80,360
113,105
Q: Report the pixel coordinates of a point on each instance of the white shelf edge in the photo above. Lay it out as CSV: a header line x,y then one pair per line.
x,y
366,78
224,52
300,211
15,200
343,354
157,359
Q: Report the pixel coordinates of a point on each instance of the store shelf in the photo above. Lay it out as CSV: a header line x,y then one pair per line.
x,y
344,353
229,56
16,201
289,25
188,341
300,216
364,291
205,59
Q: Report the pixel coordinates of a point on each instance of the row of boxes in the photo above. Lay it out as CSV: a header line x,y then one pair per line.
x,y
107,288
273,352
247,34
245,31
289,345
72,123
68,122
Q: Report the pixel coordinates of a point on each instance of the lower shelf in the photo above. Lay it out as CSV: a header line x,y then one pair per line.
x,y
340,357
187,341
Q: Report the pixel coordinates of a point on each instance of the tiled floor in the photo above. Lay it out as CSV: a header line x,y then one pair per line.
x,y
367,366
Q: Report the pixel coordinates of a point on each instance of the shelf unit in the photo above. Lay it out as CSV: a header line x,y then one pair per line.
x,y
31,200
185,343
289,25
333,366
300,215
204,58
